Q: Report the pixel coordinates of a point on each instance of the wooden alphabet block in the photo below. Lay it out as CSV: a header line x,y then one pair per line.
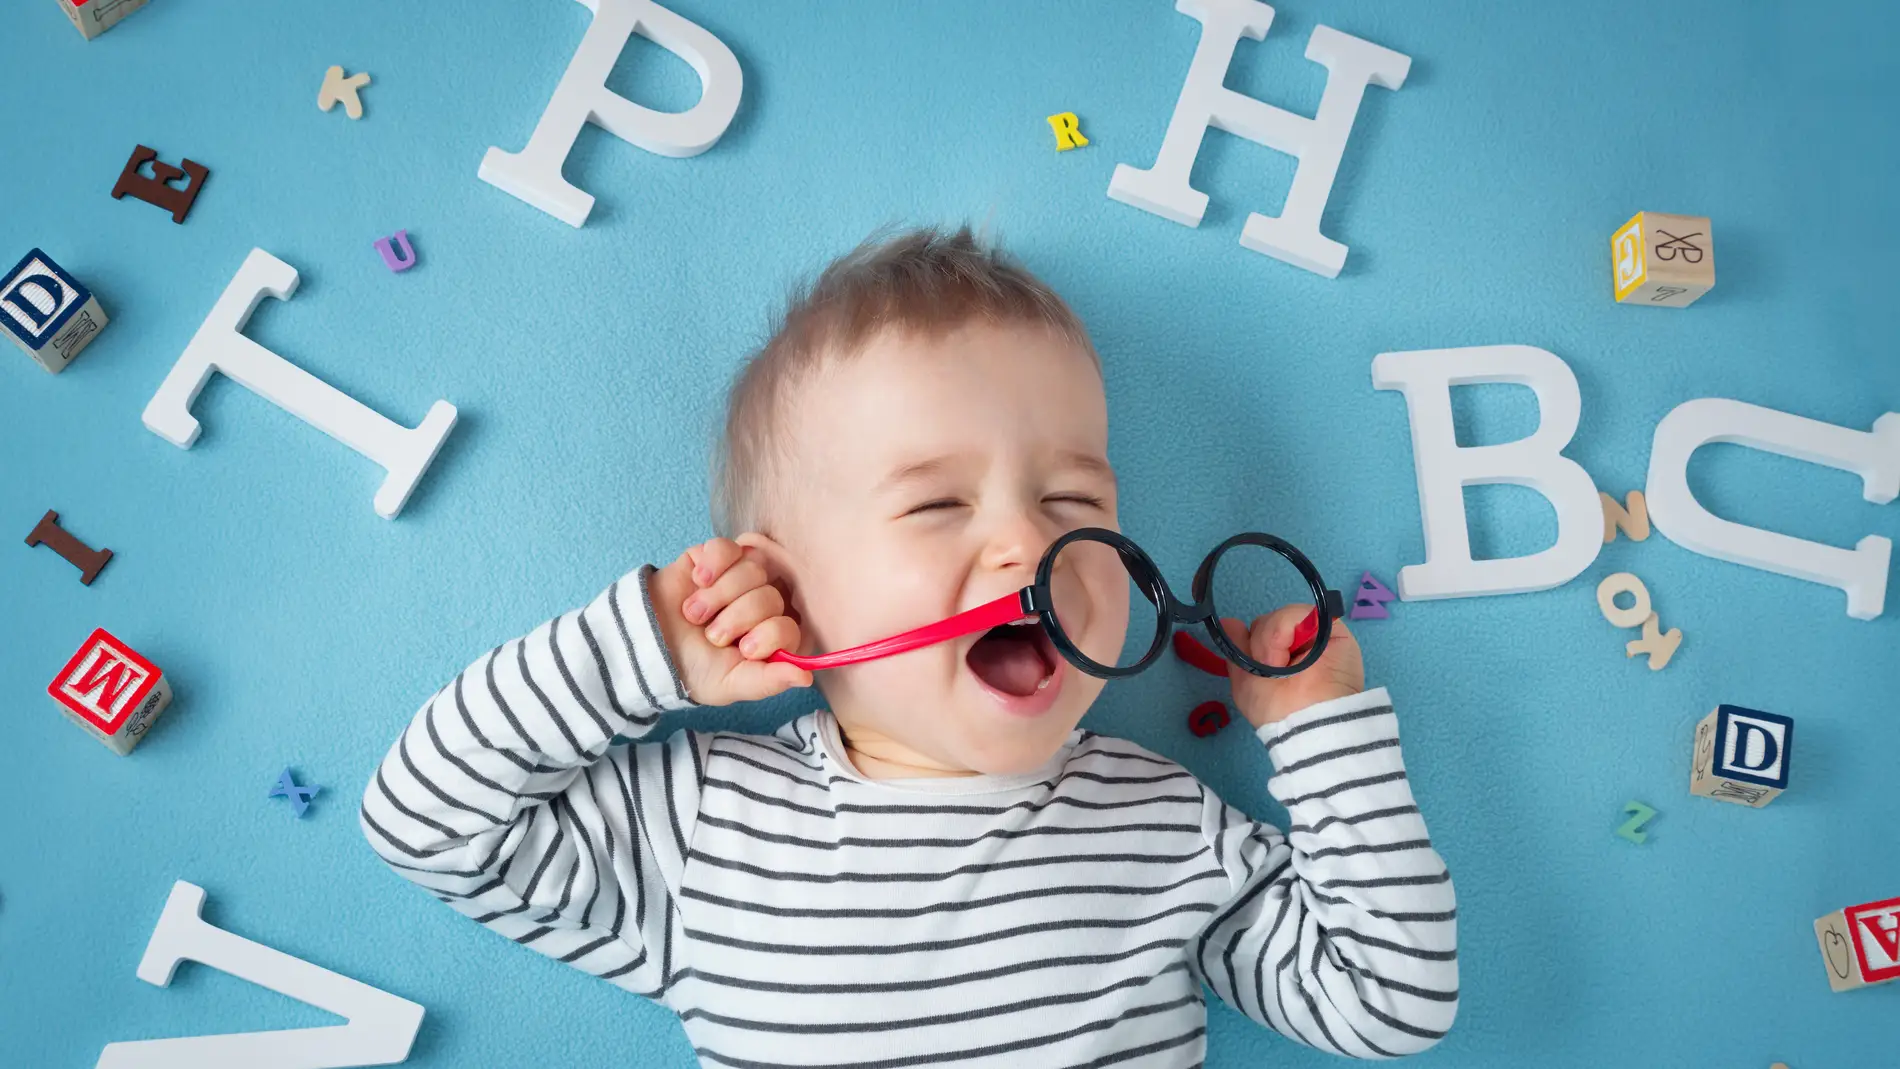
x,y
94,17
1861,944
1742,756
111,691
1663,260
47,313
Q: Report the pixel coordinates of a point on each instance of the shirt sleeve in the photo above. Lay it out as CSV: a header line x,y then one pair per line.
x,y
508,798
1342,931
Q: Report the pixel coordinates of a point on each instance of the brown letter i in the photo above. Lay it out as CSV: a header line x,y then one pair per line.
x,y
59,540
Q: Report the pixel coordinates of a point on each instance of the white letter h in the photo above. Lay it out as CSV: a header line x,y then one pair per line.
x,y
1318,142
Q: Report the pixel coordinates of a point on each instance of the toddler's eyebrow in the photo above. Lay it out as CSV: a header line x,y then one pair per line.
x,y
1093,463
917,471
913,472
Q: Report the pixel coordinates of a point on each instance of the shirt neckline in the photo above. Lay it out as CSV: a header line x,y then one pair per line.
x,y
831,747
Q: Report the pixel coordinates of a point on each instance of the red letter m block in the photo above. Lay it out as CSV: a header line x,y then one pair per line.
x,y
105,681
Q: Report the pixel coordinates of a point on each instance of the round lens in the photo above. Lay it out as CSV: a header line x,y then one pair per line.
x,y
1250,581
1101,610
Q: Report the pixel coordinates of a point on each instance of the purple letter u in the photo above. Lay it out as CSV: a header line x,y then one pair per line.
x,y
408,258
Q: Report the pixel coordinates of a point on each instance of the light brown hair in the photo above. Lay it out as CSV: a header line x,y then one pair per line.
x,y
923,281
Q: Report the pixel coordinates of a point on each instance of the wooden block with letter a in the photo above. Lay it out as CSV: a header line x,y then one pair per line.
x,y
94,17
111,691
1861,944
1663,260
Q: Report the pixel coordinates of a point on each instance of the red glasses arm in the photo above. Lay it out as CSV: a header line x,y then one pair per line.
x,y
1190,649
1003,610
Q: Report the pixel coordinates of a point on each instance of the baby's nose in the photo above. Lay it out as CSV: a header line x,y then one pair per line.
x,y
1017,544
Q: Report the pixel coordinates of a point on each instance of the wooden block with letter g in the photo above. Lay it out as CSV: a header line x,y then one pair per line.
x,y
1663,260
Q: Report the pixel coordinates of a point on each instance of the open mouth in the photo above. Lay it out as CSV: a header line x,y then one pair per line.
x,y
1016,659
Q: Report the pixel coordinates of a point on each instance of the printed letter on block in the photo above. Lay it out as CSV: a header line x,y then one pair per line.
x,y
111,691
1861,944
1742,756
1665,261
47,313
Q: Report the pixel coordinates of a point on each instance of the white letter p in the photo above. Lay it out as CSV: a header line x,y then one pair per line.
x,y
534,173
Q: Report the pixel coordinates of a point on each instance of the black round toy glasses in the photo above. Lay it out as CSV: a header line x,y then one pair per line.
x,y
1036,603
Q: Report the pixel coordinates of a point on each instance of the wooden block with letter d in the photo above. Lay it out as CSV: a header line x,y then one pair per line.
x,y
47,312
1861,944
1663,260
1742,756
94,17
111,691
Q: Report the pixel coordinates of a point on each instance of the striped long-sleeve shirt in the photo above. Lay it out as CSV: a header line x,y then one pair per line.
x,y
795,913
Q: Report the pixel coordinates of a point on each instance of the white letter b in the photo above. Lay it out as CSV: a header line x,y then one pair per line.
x,y
1445,468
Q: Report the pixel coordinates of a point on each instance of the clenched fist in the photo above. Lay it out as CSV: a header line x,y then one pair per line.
x,y
722,617
1269,640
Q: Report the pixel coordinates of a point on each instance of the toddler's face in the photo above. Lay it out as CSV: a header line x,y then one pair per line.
x,y
926,477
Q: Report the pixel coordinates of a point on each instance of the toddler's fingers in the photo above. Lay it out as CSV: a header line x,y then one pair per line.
x,y
1273,634
706,603
712,557
1251,642
746,612
777,633
1237,633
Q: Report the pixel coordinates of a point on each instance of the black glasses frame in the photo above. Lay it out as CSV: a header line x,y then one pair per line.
x,y
1172,612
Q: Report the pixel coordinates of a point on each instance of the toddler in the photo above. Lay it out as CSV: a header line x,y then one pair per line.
x,y
939,867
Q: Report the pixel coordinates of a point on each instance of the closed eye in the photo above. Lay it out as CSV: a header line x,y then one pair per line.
x,y
939,505
1080,499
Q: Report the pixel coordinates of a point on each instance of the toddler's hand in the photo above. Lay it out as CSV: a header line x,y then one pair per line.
x,y
722,617
1269,699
